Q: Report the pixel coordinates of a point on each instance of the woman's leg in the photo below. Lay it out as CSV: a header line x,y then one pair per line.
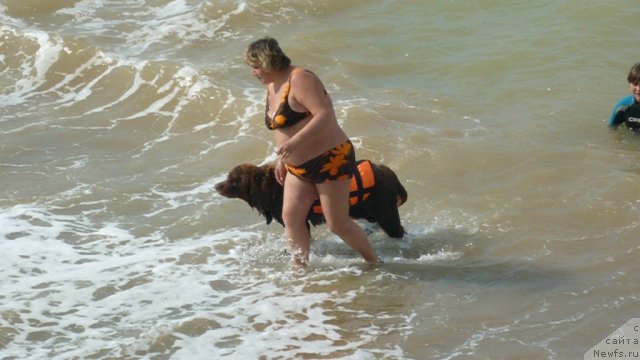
x,y
299,195
334,197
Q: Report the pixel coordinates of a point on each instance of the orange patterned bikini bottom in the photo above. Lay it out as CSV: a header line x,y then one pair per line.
x,y
338,163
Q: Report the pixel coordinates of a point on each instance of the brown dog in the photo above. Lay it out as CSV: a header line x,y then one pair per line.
x,y
257,186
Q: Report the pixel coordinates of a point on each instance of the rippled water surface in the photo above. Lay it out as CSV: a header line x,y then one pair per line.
x,y
117,118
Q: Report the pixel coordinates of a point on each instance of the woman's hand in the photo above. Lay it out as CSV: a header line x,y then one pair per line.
x,y
280,172
285,150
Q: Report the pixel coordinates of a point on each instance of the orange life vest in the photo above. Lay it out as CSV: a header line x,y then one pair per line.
x,y
362,182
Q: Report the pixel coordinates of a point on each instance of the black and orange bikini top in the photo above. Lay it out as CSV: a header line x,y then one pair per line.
x,y
284,116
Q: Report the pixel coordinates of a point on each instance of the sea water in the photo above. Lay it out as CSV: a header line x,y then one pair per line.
x,y
117,118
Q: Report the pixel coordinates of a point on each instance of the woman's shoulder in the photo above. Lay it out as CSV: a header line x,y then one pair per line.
x,y
300,72
303,77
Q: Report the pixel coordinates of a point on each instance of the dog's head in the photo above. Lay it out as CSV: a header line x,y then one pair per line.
x,y
241,182
255,185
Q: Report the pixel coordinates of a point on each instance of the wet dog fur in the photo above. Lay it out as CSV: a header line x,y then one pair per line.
x,y
257,186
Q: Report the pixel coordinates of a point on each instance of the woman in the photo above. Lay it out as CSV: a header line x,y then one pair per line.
x,y
627,110
311,147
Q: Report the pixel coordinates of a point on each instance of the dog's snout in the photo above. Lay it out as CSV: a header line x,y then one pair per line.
x,y
219,186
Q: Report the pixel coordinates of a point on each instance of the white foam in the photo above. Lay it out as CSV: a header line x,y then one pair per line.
x,y
176,19
118,278
189,86
137,82
125,294
156,106
34,71
83,10
71,97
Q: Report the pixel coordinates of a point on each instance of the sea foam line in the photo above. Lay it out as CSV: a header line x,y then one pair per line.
x,y
33,75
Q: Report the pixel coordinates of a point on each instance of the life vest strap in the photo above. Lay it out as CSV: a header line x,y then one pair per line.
x,y
362,183
359,188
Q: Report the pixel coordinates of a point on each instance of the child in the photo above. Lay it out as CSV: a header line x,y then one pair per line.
x,y
627,110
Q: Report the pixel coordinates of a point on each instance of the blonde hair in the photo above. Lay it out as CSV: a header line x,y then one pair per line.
x,y
266,54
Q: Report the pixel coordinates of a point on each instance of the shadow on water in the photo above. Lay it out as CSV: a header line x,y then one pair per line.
x,y
454,256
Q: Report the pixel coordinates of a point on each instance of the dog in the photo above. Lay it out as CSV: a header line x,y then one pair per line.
x,y
376,199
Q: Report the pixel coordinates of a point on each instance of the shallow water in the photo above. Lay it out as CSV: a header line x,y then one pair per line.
x,y
117,119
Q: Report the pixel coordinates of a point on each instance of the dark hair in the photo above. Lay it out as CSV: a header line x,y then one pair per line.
x,y
266,54
634,74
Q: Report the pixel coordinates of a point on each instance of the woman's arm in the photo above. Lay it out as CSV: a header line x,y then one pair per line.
x,y
307,92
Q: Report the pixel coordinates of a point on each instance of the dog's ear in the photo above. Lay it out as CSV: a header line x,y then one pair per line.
x,y
260,193
256,188
260,189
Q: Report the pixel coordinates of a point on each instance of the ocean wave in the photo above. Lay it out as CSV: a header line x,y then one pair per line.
x,y
121,294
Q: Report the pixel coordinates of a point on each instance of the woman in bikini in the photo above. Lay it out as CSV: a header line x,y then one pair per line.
x,y
311,146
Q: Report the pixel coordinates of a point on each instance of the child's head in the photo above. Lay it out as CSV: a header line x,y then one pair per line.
x,y
634,74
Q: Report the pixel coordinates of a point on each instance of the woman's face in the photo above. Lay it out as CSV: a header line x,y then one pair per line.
x,y
258,72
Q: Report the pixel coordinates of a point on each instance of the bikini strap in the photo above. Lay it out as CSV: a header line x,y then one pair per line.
x,y
310,72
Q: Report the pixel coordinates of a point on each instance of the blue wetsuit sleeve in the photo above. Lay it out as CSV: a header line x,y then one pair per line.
x,y
620,105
